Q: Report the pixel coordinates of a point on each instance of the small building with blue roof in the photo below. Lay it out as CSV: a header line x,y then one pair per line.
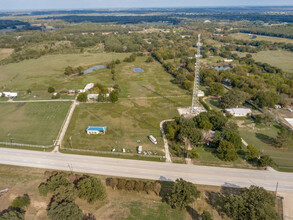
x,y
96,130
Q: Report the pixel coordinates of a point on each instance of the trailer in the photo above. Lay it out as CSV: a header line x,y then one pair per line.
x,y
153,139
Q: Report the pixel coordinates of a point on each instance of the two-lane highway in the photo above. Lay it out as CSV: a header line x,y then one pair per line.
x,y
149,170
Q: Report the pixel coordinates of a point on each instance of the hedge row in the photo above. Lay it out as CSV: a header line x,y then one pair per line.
x,y
133,185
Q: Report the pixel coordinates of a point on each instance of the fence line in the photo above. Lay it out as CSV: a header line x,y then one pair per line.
x,y
107,152
24,145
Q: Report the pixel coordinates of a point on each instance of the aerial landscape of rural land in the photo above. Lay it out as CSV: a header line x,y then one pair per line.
x,y
146,110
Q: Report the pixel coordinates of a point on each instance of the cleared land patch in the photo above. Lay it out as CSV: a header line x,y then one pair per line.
x,y
32,123
5,52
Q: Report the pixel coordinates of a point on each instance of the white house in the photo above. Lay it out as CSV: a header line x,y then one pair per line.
x,y
89,86
92,96
239,112
10,95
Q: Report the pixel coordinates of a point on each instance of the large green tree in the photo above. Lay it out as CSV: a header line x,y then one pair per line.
x,y
226,151
91,189
65,211
183,193
253,203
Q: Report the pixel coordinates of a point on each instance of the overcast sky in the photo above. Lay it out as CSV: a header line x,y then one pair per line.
x,y
95,4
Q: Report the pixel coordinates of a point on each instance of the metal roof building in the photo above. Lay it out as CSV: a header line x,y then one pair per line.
x,y
238,112
96,130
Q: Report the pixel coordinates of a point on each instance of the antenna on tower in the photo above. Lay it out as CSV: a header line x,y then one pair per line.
x,y
195,99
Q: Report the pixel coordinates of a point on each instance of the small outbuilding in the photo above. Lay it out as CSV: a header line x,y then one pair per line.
x,y
96,130
239,112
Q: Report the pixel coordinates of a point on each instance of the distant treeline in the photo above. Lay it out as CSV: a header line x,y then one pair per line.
x,y
285,31
12,24
116,19
267,18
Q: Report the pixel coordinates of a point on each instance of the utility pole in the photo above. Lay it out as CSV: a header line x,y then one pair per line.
x,y
195,99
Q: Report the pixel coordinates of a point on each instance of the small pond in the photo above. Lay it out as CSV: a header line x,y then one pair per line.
x,y
138,70
93,69
222,67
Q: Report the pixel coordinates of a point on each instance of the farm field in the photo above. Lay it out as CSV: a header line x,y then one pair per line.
x,y
32,123
127,121
118,205
261,137
244,36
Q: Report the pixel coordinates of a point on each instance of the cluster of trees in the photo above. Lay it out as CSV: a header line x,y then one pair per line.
x,y
17,209
64,192
133,185
71,71
252,203
130,59
284,31
233,98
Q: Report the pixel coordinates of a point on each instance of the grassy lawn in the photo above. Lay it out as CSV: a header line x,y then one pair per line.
x,y
214,103
244,36
261,137
127,121
118,205
32,123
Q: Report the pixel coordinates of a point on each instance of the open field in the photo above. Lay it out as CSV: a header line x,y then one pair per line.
x,y
32,123
244,36
5,52
281,59
39,74
261,137
118,205
127,121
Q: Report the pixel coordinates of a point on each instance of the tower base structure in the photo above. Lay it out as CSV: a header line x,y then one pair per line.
x,y
190,112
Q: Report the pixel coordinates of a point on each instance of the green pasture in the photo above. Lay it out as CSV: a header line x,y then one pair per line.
x,y
32,123
244,36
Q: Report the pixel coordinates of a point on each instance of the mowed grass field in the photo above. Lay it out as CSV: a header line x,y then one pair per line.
x,y
32,123
244,36
118,205
127,121
262,137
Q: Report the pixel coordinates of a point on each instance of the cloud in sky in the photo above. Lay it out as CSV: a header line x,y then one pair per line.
x,y
95,4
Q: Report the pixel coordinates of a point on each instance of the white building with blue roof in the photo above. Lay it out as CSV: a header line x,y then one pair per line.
x,y
96,130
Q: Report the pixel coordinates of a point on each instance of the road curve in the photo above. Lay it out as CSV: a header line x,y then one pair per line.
x,y
149,170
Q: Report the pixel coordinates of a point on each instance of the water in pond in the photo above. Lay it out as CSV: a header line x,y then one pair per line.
x,y
221,67
138,70
92,69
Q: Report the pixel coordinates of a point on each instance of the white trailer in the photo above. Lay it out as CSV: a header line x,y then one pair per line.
x,y
153,139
